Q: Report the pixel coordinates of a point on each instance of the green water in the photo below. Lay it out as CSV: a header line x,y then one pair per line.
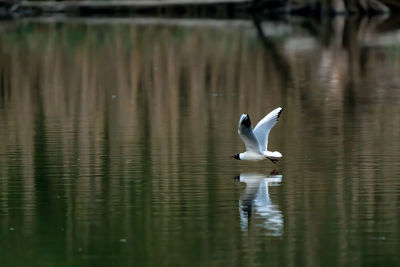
x,y
116,139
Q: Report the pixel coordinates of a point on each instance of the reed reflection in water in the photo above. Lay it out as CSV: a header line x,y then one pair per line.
x,y
115,142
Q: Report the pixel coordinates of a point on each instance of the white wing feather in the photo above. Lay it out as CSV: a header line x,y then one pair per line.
x,y
247,135
249,140
262,129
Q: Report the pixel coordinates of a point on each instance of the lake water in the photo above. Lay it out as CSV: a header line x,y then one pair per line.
x,y
116,139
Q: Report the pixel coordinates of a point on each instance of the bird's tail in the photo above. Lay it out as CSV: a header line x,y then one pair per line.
x,y
274,154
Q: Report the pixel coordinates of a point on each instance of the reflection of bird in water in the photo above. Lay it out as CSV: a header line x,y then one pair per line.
x,y
255,202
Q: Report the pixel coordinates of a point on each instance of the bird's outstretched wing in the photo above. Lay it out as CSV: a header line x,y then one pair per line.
x,y
262,129
246,133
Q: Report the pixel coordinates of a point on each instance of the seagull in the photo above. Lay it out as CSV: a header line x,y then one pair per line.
x,y
256,141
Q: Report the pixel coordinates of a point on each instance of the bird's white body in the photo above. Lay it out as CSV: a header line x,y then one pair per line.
x,y
251,156
256,141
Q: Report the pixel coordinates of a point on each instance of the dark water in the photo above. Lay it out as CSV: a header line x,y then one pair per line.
x,y
116,137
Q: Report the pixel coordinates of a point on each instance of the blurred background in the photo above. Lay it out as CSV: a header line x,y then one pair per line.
x,y
116,137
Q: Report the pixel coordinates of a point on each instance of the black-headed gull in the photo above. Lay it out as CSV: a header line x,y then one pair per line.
x,y
256,141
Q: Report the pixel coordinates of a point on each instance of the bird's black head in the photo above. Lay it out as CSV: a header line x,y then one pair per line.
x,y
236,156
246,120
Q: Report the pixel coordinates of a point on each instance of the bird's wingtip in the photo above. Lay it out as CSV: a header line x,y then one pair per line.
x,y
280,111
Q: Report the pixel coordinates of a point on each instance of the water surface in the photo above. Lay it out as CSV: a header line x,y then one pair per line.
x,y
116,137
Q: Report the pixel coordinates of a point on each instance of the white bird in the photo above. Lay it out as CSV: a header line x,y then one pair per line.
x,y
256,141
